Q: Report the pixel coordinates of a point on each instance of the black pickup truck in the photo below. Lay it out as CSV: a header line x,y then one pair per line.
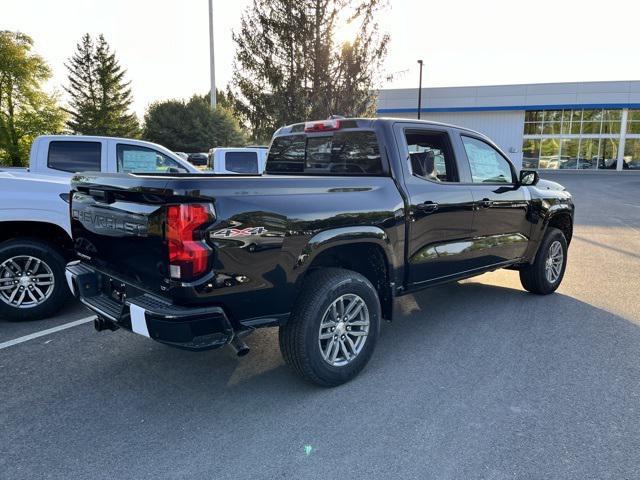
x,y
349,214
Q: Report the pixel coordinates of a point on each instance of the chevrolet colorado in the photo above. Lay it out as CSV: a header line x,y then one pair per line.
x,y
349,214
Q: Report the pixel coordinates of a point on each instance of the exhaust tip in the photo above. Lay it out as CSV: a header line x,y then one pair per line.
x,y
239,346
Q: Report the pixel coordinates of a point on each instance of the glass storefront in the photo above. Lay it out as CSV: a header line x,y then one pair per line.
x,y
579,139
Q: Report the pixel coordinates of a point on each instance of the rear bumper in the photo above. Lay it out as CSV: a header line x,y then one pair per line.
x,y
149,315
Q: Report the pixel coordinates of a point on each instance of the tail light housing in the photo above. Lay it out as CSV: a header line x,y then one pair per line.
x,y
188,252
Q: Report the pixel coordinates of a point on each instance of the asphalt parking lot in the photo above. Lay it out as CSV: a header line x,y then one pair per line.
x,y
476,379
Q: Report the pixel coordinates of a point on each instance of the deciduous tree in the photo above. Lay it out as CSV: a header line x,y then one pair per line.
x,y
26,110
192,126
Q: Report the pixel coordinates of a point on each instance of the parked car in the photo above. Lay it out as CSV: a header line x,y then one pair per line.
x,y
237,160
198,159
350,214
35,233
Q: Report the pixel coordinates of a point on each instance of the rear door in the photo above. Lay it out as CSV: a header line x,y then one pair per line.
x,y
500,223
440,207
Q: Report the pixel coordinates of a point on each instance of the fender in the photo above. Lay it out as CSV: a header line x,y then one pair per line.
x,y
325,239
354,235
543,210
39,216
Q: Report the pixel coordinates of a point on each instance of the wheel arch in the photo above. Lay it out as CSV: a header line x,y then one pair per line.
x,y
563,221
366,250
45,232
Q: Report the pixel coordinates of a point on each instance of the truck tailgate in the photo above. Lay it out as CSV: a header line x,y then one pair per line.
x,y
118,227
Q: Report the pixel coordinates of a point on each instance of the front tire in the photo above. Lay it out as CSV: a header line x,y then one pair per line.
x,y
32,280
545,274
333,328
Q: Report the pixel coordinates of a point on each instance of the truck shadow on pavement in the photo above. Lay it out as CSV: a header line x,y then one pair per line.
x,y
467,366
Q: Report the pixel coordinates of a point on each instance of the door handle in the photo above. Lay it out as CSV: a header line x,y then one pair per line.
x,y
427,206
485,203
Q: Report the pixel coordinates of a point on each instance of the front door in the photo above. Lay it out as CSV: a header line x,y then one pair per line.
x,y
440,207
500,226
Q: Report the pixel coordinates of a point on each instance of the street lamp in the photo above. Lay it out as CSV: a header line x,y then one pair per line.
x,y
212,57
420,90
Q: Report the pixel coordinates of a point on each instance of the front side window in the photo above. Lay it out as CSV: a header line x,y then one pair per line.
x,y
70,156
339,153
134,158
430,156
241,162
487,164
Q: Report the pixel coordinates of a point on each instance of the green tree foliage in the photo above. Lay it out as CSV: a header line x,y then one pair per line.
x,y
100,98
25,109
288,68
192,126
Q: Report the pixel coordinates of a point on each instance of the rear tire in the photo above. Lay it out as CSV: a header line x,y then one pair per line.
x,y
32,280
333,328
545,274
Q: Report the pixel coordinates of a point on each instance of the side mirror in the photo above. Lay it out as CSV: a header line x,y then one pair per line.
x,y
529,177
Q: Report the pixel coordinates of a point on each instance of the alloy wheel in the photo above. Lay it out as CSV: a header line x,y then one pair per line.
x,y
343,330
25,281
554,261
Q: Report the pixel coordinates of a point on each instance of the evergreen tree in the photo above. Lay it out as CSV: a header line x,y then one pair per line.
x,y
288,67
100,97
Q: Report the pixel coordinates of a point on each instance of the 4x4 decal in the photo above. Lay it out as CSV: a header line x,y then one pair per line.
x,y
238,232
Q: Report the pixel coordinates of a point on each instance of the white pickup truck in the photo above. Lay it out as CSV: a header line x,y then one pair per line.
x,y
35,239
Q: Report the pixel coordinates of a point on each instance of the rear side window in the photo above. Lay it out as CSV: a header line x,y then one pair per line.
x,y
74,156
431,155
241,162
340,153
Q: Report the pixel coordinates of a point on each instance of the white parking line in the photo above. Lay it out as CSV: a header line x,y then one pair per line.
x,y
48,331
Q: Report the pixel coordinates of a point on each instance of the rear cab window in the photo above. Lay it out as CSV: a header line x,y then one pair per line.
x,y
72,156
345,153
241,162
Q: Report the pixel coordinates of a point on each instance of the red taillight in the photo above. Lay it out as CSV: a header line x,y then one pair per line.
x,y
322,126
188,254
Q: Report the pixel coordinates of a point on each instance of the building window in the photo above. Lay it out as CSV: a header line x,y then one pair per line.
x,y
574,139
632,154
633,122
530,153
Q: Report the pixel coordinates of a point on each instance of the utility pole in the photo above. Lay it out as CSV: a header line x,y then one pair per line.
x,y
212,57
420,90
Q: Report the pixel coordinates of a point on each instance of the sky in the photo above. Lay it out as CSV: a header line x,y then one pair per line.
x,y
164,45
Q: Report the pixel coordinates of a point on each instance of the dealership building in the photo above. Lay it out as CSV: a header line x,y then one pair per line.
x,y
585,126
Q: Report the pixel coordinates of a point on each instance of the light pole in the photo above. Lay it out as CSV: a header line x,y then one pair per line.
x,y
420,90
212,57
